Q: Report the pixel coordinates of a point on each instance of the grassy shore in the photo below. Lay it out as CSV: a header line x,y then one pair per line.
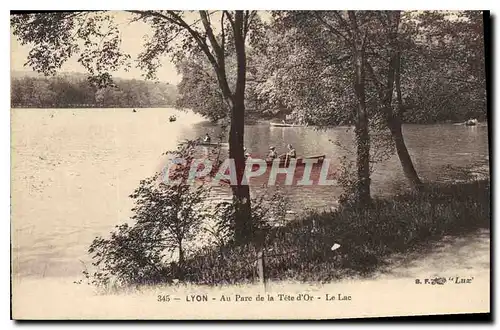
x,y
302,250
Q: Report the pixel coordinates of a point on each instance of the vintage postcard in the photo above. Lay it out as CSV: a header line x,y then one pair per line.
x,y
239,164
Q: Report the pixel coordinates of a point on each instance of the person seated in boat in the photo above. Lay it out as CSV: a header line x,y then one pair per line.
x,y
246,153
207,138
272,155
291,152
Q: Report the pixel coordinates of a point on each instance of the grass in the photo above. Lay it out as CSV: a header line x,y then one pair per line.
x,y
301,250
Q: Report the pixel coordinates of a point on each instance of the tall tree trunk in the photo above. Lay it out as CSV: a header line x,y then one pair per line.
x,y
362,135
180,264
397,134
236,102
394,118
241,193
404,156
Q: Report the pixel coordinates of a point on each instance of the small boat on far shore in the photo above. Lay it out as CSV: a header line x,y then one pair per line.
x,y
471,122
285,125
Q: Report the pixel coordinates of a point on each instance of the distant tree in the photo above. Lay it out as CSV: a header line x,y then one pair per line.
x,y
75,91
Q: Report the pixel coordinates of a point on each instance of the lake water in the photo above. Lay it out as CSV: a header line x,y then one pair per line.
x,y
73,170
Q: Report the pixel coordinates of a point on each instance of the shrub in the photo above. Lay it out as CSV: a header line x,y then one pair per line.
x,y
301,250
167,215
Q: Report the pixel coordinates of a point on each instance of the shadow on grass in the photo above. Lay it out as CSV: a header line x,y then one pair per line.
x,y
302,250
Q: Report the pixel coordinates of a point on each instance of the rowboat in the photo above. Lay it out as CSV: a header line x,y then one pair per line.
x,y
285,125
300,164
471,122
283,162
208,144
300,160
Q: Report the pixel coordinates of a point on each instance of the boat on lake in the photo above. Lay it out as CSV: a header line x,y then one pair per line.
x,y
471,122
212,144
285,125
300,160
207,144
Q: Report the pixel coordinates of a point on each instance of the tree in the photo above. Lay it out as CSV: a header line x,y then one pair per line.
x,y
434,58
331,70
54,38
167,215
388,42
200,92
445,65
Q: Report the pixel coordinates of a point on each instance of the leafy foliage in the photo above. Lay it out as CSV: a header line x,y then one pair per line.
x,y
92,36
167,215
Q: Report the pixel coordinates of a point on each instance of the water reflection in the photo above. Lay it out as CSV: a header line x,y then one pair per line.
x,y
432,148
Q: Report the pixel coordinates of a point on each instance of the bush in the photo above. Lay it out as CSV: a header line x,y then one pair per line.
x,y
171,218
302,249
167,216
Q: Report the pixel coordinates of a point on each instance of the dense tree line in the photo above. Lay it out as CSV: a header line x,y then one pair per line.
x,y
74,90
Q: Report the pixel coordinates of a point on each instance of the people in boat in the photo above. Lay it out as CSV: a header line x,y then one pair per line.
x,y
134,110
246,153
207,138
471,122
272,154
291,152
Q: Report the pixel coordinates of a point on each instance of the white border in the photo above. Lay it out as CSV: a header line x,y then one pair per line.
x,y
187,5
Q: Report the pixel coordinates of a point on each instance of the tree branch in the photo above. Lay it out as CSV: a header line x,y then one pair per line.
x,y
219,52
249,16
223,35
343,22
376,80
330,27
177,20
230,18
211,37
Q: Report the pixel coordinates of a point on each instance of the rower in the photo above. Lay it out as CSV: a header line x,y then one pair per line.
x,y
272,154
247,154
291,152
207,138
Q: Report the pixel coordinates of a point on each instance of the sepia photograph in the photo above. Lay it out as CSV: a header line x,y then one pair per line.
x,y
249,165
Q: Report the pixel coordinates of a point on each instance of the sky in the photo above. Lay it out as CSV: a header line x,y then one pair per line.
x,y
132,40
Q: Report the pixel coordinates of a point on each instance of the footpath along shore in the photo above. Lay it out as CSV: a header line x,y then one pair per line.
x,y
465,257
